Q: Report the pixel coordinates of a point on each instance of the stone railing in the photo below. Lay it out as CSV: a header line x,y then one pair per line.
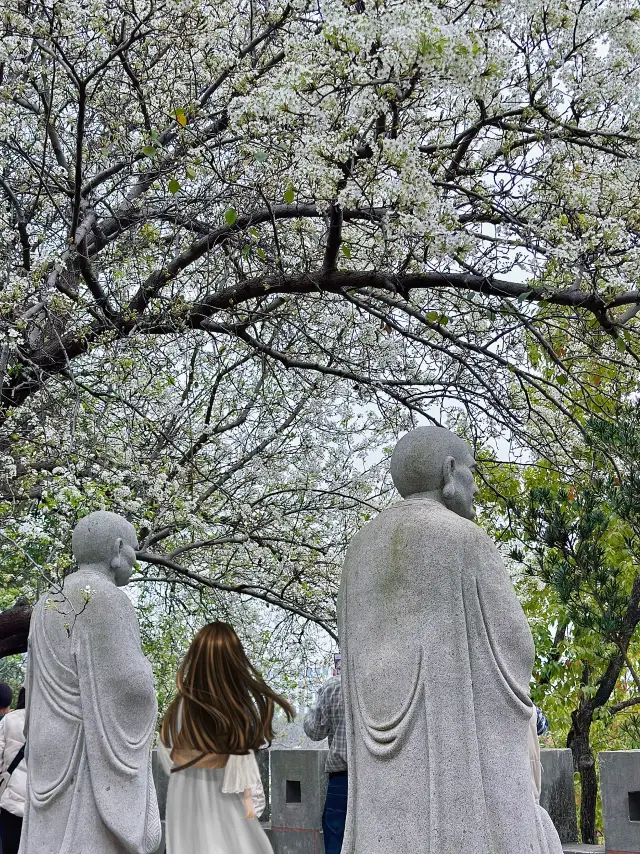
x,y
295,783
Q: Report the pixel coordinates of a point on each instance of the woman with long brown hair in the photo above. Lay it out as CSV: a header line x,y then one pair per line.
x,y
222,713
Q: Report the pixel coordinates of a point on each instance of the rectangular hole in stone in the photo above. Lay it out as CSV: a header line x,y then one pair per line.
x,y
634,806
293,792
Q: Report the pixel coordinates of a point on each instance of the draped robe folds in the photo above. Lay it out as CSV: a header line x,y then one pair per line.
x,y
91,716
436,664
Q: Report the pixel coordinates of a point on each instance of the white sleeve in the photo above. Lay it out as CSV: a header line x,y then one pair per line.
x,y
164,755
534,756
240,773
259,800
3,763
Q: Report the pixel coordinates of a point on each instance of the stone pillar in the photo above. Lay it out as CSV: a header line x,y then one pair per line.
x,y
262,757
620,789
298,789
161,782
558,796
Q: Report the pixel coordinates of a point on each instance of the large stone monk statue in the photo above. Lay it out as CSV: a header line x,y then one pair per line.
x,y
91,707
436,664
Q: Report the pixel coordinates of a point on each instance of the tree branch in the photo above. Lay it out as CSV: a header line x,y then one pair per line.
x,y
334,238
255,591
21,224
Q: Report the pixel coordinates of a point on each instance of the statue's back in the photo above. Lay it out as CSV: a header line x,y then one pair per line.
x,y
91,713
436,650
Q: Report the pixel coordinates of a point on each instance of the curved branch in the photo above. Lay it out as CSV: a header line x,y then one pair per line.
x,y
334,239
255,591
14,630
21,224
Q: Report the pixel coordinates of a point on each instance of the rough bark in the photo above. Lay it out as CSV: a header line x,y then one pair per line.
x,y
14,630
584,763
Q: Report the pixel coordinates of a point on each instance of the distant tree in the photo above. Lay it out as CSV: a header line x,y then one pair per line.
x,y
582,539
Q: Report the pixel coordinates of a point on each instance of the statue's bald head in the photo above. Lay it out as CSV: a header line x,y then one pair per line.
x,y
106,540
435,460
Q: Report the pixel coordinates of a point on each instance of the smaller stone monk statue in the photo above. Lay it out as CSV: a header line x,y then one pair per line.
x,y
91,707
436,664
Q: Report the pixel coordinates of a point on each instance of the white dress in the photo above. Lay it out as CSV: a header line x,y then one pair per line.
x,y
205,808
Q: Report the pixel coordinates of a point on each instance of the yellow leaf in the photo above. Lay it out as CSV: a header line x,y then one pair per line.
x,y
181,117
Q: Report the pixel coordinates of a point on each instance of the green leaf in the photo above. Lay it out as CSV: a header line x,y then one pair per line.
x,y
524,296
562,379
245,250
621,344
260,253
289,194
346,250
260,156
149,150
436,317
174,186
230,216
254,232
191,172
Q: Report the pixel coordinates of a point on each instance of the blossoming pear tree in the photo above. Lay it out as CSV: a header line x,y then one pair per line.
x,y
244,243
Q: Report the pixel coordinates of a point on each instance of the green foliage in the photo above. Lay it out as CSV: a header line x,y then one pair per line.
x,y
575,542
12,671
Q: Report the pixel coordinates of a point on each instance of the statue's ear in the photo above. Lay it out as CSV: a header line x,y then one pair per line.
x,y
448,470
116,562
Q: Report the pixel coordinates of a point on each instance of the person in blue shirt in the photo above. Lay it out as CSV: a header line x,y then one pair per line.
x,y
542,724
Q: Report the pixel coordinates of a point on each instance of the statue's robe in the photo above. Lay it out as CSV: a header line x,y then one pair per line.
x,y
91,716
436,663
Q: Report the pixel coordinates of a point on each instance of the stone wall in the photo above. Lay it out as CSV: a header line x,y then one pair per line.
x,y
295,784
558,795
620,790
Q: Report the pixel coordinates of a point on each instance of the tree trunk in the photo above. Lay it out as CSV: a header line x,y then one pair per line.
x,y
14,630
585,764
589,796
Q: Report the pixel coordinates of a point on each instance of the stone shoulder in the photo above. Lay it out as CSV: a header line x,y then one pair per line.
x,y
433,522
440,516
101,589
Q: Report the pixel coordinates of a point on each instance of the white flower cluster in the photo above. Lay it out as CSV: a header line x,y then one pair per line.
x,y
88,593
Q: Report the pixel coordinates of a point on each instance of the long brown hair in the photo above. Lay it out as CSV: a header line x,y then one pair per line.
x,y
227,707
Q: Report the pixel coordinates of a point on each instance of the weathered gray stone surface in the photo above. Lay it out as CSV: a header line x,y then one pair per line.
x,y
299,842
620,790
436,664
161,783
558,794
262,757
298,787
91,708
161,849
579,848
